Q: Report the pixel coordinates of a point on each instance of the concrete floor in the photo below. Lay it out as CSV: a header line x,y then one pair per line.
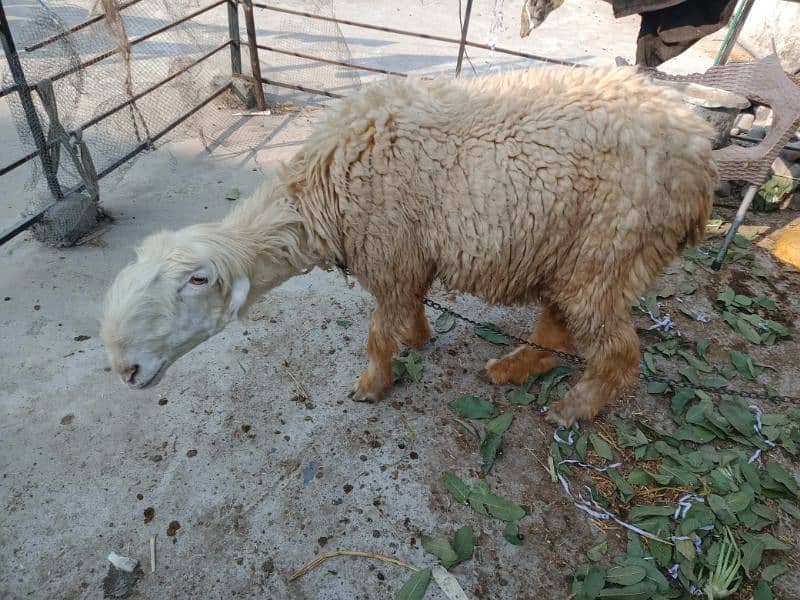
x,y
250,442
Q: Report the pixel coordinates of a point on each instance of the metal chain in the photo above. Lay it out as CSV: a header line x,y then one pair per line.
x,y
575,359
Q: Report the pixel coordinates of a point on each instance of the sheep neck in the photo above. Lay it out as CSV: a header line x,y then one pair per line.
x,y
273,241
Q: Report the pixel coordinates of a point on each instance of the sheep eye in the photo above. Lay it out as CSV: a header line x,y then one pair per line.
x,y
198,280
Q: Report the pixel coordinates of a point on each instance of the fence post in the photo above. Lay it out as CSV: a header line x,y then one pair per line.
x,y
28,106
233,34
464,29
255,65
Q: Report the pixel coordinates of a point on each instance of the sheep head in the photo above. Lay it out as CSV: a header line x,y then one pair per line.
x,y
184,287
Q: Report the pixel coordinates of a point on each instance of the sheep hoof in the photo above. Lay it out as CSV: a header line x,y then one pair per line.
x,y
364,391
570,409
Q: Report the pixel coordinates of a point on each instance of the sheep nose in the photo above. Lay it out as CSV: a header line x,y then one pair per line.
x,y
129,373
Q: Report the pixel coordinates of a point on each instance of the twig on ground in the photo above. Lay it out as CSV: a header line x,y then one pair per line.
x,y
152,554
320,558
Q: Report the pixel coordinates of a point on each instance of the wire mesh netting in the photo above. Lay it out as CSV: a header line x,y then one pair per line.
x,y
104,75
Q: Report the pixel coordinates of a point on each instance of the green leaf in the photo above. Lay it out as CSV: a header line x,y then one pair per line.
x,y
233,195
551,380
765,302
648,363
744,364
442,550
625,575
742,301
398,369
779,474
491,333
752,553
747,330
630,437
680,400
657,387
596,553
464,542
639,477
474,408
769,541
601,447
624,488
741,500
738,415
484,502
466,426
490,446
519,397
650,302
691,433
444,322
500,424
790,509
512,534
695,362
593,583
639,591
726,295
415,587
762,591
455,486
413,368
580,446
720,508
688,287
774,571
637,513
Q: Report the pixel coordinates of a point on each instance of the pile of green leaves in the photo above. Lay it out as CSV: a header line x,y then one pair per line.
x,y
495,425
737,495
480,497
744,315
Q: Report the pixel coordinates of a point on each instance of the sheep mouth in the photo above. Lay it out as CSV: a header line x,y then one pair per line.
x,y
153,380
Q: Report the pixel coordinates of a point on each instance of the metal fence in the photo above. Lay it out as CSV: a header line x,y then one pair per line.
x,y
51,139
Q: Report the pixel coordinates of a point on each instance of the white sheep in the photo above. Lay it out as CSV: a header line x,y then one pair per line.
x,y
571,188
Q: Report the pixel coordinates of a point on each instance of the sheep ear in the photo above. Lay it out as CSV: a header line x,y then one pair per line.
x,y
239,292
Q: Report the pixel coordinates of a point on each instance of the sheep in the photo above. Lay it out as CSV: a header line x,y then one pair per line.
x,y
568,188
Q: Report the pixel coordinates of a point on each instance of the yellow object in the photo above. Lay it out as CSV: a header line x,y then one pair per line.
x,y
787,245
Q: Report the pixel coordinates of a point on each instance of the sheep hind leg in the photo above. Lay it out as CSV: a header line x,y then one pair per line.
x,y
525,361
415,331
612,369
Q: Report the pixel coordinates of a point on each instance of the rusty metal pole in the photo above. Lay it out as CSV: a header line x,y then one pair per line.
x,y
233,34
255,65
28,107
463,45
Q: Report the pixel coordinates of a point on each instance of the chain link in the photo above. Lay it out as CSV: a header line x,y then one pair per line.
x,y
577,360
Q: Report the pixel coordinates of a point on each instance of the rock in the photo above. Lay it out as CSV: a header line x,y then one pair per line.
x,y
763,116
785,168
773,21
744,121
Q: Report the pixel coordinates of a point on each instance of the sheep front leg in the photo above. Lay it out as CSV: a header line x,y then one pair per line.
x,y
404,321
612,369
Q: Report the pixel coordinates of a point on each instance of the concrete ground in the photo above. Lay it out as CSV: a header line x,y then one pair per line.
x,y
250,443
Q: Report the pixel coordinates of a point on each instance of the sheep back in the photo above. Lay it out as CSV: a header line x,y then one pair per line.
x,y
542,184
